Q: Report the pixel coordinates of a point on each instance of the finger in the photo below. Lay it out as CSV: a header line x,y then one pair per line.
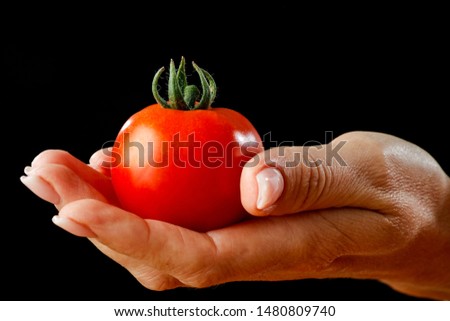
x,y
125,229
86,173
102,160
350,171
166,248
60,185
334,243
149,277
306,245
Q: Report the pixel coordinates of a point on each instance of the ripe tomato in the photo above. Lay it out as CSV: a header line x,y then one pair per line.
x,y
181,162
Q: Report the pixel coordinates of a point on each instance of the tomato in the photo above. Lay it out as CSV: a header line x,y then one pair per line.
x,y
180,161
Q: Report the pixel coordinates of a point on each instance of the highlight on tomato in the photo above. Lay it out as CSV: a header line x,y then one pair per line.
x,y
180,160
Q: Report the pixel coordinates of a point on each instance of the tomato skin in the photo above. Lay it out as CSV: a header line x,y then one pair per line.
x,y
184,167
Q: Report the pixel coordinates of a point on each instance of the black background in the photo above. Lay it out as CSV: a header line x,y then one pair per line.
x,y
72,79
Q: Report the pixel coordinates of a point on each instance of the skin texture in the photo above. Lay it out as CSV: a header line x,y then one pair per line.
x,y
379,209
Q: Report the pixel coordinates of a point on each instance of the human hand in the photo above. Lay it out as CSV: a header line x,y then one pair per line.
x,y
381,215
375,207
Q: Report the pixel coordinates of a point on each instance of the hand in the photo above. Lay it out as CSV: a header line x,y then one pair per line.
x,y
377,208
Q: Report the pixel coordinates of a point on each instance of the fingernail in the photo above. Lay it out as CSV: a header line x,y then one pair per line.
x,y
72,226
270,186
41,188
95,161
101,158
27,170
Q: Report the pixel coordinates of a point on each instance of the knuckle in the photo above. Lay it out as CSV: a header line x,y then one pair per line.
x,y
159,283
200,280
201,274
310,184
318,180
328,247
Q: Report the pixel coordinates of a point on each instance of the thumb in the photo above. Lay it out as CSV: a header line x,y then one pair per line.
x,y
349,171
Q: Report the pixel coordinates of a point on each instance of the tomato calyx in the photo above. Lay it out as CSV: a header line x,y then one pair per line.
x,y
183,96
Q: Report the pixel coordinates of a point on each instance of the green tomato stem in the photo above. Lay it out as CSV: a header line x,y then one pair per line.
x,y
183,96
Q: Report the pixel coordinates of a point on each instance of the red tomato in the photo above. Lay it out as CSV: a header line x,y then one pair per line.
x,y
184,166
